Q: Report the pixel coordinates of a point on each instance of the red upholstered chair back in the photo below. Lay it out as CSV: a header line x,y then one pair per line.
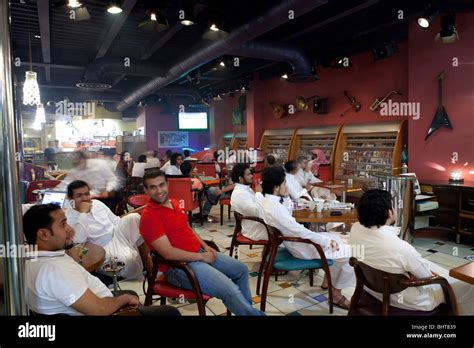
x,y
325,172
209,168
181,190
44,184
255,179
259,166
137,201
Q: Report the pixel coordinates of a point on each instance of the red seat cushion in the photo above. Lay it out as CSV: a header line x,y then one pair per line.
x,y
224,201
244,240
165,289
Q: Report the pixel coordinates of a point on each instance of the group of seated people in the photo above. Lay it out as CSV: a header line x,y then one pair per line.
x,y
59,285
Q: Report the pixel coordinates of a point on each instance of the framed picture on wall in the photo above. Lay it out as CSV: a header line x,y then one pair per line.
x,y
173,139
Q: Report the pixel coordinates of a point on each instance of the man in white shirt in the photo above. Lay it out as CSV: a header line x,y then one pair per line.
x,y
151,160
120,237
55,283
139,167
276,211
244,201
187,156
297,191
385,251
303,175
175,164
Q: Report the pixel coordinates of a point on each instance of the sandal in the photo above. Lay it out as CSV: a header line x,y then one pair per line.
x,y
342,303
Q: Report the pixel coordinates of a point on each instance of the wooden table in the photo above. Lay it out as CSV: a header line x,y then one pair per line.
x,y
93,259
210,180
340,185
348,216
464,273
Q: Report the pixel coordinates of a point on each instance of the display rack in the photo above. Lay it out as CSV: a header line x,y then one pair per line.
x,y
277,142
366,150
307,139
239,142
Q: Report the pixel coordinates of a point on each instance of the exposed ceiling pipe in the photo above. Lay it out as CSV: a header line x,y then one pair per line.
x,y
276,16
300,62
186,92
96,71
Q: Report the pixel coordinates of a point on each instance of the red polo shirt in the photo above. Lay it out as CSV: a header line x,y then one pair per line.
x,y
157,221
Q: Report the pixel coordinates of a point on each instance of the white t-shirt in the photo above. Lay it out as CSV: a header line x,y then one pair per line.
x,y
385,251
152,162
173,170
244,201
54,281
139,169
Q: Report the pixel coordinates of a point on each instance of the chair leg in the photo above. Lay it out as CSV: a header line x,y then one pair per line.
x,y
222,214
261,268
266,280
228,212
311,277
200,215
330,297
201,306
228,313
250,246
190,217
162,300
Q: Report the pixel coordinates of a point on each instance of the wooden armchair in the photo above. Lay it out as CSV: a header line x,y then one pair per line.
x,y
362,303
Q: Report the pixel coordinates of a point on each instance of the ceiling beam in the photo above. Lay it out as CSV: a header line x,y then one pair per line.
x,y
111,32
43,19
55,66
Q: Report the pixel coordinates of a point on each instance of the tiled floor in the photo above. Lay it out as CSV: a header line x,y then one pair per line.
x,y
286,297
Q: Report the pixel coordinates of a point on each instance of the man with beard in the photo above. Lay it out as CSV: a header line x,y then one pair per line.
x,y
164,227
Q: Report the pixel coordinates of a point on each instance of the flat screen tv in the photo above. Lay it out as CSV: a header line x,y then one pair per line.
x,y
193,121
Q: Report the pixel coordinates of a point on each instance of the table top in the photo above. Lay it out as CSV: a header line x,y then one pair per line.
x,y
446,183
464,273
341,185
304,215
210,180
93,258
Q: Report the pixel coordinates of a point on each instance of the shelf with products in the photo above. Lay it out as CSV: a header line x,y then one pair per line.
x,y
308,139
365,150
277,142
239,142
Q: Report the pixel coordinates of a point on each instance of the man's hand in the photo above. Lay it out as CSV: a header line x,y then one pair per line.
x,y
132,300
207,248
209,257
84,207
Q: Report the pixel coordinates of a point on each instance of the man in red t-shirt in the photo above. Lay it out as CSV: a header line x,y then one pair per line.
x,y
164,227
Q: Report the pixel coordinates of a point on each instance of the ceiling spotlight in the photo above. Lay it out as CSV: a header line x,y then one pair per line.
x,y
428,17
221,63
153,16
448,33
284,76
114,7
187,22
37,36
74,3
213,27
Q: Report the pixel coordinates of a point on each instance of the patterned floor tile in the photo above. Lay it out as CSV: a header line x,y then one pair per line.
x,y
289,300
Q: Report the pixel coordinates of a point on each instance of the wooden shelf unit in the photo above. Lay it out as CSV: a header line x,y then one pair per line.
x,y
307,139
226,141
278,143
239,142
364,150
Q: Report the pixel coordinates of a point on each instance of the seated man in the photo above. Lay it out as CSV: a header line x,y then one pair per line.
x,y
164,226
384,250
120,237
275,209
296,190
175,162
139,167
187,156
55,283
244,201
196,183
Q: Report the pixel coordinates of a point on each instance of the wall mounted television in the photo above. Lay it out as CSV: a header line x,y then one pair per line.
x,y
193,121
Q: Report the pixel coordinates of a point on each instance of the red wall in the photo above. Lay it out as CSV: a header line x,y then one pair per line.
x,y
431,159
220,115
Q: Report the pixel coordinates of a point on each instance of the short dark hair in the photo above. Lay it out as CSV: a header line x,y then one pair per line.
x,y
174,157
185,167
151,174
373,208
290,166
271,160
186,153
168,153
38,216
75,185
142,159
238,171
271,177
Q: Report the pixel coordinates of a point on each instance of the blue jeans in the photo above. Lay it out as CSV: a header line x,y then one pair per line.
x,y
212,198
226,279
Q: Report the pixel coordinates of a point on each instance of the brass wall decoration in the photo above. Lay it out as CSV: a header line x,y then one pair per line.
x,y
355,105
378,101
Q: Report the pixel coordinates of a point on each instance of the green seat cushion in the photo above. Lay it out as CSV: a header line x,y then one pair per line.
x,y
284,261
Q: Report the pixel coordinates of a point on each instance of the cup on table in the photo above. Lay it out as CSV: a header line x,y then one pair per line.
x,y
319,207
349,182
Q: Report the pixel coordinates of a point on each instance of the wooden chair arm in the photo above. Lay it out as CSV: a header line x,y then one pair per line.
x,y
212,245
133,211
253,218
